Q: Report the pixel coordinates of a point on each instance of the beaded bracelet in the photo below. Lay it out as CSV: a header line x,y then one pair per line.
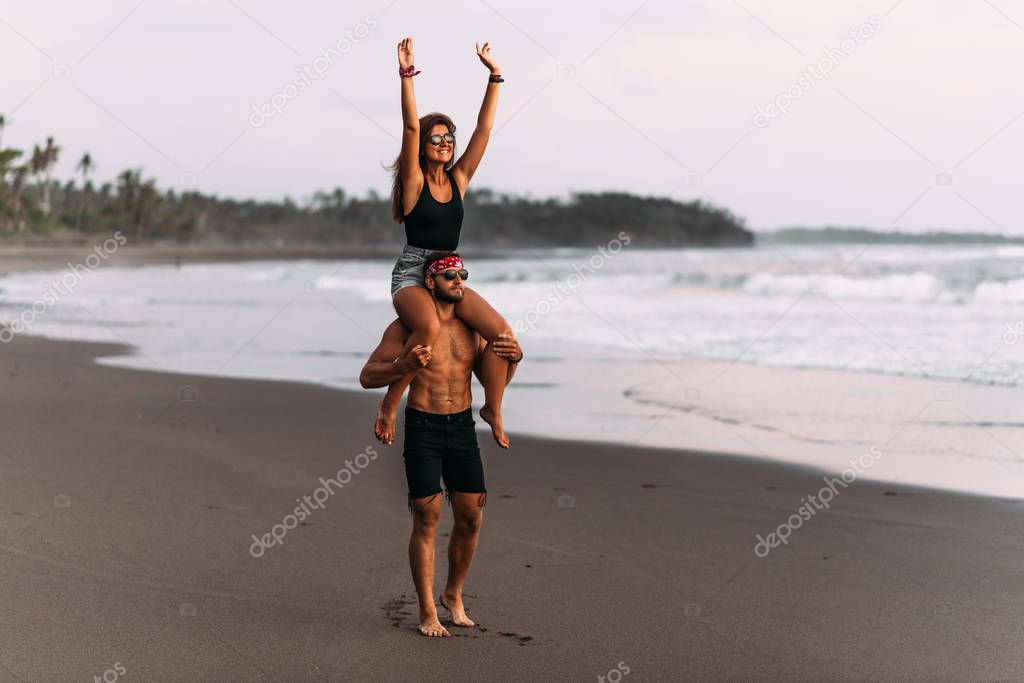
x,y
495,78
403,71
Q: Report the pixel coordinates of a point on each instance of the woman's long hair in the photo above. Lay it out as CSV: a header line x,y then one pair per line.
x,y
427,122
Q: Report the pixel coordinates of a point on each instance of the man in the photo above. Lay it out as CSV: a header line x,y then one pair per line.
x,y
440,438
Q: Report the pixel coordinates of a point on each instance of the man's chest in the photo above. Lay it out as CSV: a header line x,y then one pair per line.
x,y
455,344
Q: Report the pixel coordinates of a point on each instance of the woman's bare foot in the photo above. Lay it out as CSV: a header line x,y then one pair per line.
x,y
432,627
494,419
453,603
384,425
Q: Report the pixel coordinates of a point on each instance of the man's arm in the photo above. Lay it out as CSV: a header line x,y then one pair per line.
x,y
505,347
384,365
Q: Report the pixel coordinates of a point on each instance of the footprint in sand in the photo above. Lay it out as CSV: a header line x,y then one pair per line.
x,y
401,609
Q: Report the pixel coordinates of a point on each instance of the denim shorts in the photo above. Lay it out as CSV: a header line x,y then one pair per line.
x,y
408,270
442,447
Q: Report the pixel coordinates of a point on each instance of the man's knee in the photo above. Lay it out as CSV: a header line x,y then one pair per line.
x,y
426,516
469,522
425,524
469,513
503,330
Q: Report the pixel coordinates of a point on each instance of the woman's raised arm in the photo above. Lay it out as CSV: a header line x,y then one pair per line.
x,y
470,159
411,172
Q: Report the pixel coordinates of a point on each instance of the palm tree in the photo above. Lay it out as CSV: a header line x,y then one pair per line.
x,y
127,188
137,198
36,164
20,175
338,202
85,167
148,199
7,158
50,154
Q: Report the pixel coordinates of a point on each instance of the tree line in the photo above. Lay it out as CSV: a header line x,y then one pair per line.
x,y
34,203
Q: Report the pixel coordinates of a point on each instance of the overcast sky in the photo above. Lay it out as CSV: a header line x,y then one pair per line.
x,y
917,125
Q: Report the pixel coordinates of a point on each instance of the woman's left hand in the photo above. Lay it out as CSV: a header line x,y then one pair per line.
x,y
484,53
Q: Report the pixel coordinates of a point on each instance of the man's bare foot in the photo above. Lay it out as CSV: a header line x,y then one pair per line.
x,y
432,627
453,603
494,419
384,425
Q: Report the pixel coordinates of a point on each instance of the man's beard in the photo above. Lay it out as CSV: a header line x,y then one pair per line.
x,y
448,298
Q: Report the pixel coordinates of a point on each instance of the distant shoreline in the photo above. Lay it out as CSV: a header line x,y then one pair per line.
x,y
19,258
834,235
55,254
26,257
52,254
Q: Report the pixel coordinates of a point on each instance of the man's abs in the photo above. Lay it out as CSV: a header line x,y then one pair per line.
x,y
444,385
441,393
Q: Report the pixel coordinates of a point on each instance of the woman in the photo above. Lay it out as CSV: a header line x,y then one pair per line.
x,y
426,196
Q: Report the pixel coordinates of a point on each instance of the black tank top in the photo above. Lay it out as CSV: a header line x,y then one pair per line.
x,y
432,224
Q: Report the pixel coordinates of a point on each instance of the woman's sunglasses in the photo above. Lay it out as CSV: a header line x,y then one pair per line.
x,y
450,274
437,137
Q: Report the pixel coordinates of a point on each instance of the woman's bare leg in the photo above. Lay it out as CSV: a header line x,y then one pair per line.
x,y
416,310
481,316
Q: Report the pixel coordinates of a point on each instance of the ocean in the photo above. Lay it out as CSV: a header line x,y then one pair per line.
x,y
622,343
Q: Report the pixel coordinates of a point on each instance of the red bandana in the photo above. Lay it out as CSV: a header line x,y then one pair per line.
x,y
444,264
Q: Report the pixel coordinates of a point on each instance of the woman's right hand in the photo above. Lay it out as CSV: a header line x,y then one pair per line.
x,y
405,53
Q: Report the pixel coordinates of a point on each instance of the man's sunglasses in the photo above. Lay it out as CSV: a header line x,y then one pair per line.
x,y
437,137
450,274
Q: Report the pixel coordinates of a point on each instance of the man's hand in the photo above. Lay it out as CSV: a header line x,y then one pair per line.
x,y
418,357
507,347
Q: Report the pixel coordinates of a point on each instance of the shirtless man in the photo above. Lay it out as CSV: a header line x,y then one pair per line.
x,y
440,439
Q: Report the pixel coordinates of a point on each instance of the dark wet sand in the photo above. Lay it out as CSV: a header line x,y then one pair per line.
x,y
128,512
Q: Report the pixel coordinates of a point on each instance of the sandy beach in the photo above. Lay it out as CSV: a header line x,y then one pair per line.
x,y
131,499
